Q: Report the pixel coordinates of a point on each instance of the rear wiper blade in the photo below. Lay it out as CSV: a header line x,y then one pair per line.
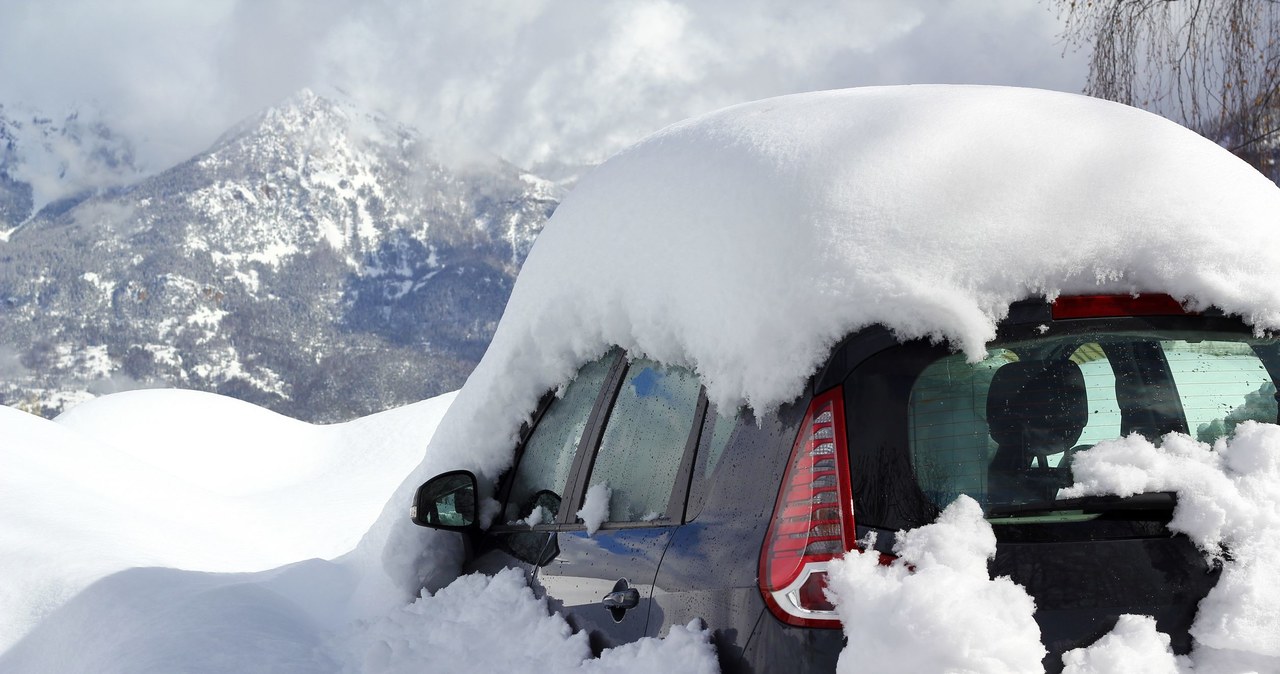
x,y
1156,501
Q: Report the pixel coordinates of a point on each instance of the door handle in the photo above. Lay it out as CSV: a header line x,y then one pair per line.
x,y
622,599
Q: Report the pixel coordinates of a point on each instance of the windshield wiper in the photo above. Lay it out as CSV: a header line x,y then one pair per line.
x,y
1153,501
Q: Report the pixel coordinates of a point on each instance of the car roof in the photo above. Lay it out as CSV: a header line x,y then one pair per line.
x,y
746,242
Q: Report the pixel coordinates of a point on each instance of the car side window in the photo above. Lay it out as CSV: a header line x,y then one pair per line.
x,y
644,440
543,468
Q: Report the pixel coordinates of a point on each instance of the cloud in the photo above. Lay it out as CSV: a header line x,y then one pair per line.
x,y
533,81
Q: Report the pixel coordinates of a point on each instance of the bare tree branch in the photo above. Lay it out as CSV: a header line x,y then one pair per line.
x,y
1213,65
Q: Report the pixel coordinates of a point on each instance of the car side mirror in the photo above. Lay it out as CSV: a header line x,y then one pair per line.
x,y
447,501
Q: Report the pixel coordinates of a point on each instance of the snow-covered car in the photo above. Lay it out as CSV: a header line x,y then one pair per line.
x,y
801,327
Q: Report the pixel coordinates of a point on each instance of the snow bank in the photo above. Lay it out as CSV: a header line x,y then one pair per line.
x,y
918,613
744,243
169,620
286,472
185,480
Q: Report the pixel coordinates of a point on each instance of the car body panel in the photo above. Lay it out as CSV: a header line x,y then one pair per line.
x,y
590,567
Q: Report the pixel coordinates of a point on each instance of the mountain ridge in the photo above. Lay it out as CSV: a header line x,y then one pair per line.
x,y
317,260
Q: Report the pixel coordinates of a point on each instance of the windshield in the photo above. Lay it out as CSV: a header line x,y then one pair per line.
x,y
1004,430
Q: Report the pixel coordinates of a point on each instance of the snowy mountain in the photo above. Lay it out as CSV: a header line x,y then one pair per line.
x,y
318,260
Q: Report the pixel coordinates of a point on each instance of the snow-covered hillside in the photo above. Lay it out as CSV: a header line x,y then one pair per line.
x,y
271,268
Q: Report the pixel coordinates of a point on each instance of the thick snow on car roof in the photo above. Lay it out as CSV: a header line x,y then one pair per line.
x,y
746,242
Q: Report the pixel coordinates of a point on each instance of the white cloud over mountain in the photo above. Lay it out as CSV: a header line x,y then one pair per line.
x,y
569,81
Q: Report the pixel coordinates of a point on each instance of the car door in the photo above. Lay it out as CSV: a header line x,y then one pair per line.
x,y
533,492
603,579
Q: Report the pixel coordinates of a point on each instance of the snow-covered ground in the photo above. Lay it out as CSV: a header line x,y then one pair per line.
x,y
167,530
159,531
167,490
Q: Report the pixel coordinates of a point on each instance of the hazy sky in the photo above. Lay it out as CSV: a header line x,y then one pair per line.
x,y
531,80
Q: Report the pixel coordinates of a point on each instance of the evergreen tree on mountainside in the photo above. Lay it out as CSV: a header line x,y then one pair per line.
x,y
1212,65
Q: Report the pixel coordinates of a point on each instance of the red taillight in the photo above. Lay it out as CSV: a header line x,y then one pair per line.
x,y
1106,306
813,519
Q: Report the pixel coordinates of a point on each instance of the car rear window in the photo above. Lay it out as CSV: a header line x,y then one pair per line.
x,y
1004,430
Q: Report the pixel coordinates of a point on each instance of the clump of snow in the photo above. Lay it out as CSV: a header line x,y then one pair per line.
x,y
1229,505
919,613
454,629
746,242
1134,646
438,633
595,507
540,515
686,649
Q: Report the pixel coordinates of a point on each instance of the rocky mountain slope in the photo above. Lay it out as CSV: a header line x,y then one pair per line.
x,y
317,260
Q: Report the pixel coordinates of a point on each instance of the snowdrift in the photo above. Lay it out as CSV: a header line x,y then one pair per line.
x,y
185,480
